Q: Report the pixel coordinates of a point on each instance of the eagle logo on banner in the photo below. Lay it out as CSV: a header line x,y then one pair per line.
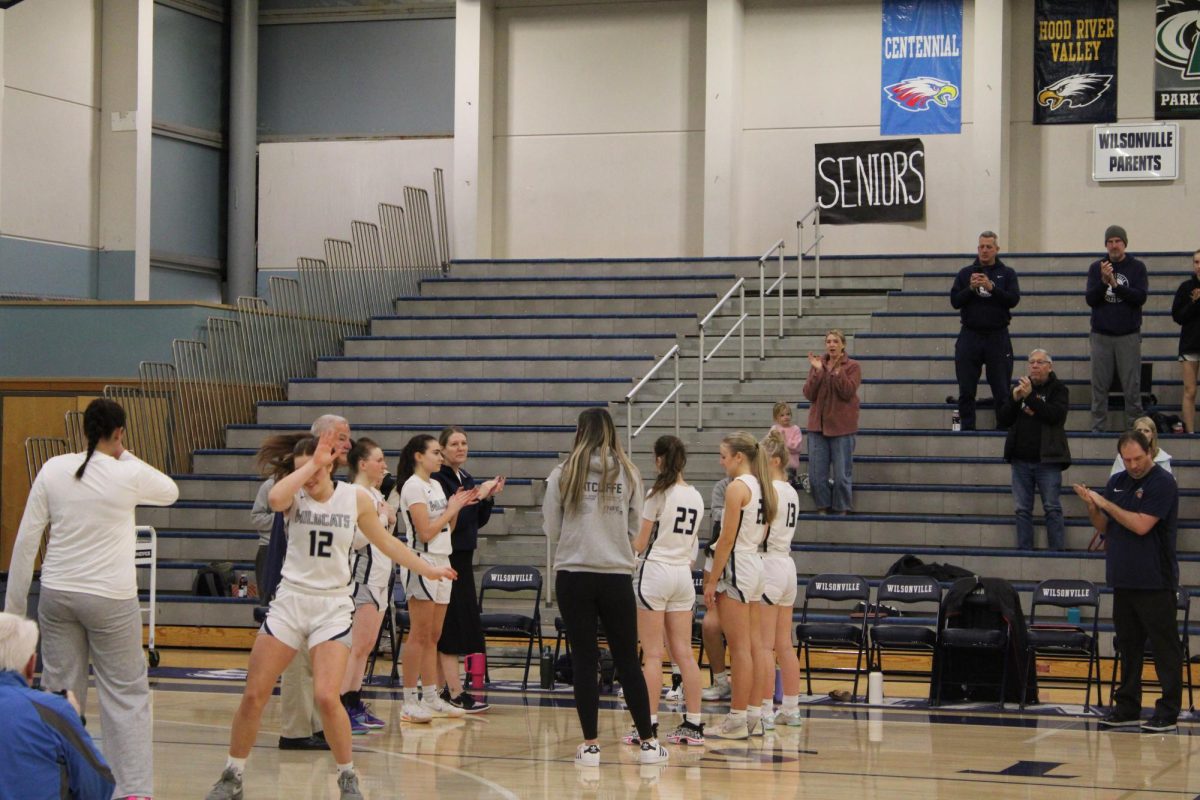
x,y
915,94
1177,38
1074,91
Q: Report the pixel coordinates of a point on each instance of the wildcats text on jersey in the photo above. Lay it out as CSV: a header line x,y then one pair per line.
x,y
307,516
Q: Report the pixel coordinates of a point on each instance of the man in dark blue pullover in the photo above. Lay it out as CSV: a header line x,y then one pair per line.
x,y
1116,290
44,750
984,293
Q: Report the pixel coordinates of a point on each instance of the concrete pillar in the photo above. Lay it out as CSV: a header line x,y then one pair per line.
x,y
722,123
240,260
126,116
474,59
990,159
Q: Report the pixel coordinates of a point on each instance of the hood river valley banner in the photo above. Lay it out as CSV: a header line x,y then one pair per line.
x,y
1074,61
922,67
1177,59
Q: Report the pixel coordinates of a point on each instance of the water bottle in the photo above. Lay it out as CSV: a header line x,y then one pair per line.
x,y
547,668
875,687
956,421
476,669
243,587
1073,616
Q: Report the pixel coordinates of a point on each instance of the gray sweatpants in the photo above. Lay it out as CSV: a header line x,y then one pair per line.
x,y
1122,355
77,625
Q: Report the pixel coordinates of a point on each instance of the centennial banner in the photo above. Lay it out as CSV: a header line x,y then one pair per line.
x,y
1177,60
880,181
922,67
1074,61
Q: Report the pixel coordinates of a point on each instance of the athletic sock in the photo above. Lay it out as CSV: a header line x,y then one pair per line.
x,y
238,765
693,719
768,708
347,767
737,715
791,702
654,719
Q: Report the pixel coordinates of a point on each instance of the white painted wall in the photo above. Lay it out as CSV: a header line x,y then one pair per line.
x,y
599,118
310,191
1056,204
50,137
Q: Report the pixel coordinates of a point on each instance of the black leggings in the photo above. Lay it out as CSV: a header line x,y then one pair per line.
x,y
584,597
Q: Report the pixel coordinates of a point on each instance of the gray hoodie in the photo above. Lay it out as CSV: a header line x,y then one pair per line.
x,y
599,538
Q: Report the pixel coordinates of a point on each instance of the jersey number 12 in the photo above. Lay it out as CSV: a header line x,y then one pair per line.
x,y
320,544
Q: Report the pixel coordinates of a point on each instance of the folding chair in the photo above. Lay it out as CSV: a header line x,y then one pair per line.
x,y
908,590
1182,604
514,579
971,639
397,623
838,589
1066,639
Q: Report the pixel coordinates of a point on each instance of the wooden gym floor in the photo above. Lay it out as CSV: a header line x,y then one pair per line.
x,y
524,748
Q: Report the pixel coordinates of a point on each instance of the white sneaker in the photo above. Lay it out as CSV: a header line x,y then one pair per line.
x,y
437,707
718,691
731,729
652,752
768,722
672,695
588,755
415,712
789,718
754,725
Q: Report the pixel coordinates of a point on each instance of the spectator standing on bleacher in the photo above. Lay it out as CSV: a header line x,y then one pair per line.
x,y
1186,312
88,609
985,293
832,392
1035,414
47,752
1138,511
1116,291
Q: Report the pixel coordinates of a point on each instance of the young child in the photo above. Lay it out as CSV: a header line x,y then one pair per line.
x,y
792,437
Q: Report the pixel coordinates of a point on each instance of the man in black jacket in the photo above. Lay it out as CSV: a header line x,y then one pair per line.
x,y
984,292
1117,286
1035,414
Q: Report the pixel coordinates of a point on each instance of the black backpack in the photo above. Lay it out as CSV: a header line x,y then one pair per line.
x,y
215,580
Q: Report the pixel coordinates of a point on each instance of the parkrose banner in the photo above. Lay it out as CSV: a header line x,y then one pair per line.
x,y
879,181
922,67
1074,61
1177,60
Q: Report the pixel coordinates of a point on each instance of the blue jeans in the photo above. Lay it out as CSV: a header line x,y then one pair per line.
x,y
1048,478
831,490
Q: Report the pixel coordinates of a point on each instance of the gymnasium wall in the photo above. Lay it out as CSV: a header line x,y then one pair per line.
x,y
49,148
599,130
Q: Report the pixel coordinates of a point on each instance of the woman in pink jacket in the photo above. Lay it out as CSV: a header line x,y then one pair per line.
x,y
832,391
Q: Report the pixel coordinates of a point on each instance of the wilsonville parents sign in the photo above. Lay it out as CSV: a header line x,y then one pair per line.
x,y
880,181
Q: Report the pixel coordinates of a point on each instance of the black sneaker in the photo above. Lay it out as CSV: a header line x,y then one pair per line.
x,y
468,703
1158,724
1119,719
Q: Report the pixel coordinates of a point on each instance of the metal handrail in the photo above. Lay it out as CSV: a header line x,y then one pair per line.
x,y
801,252
673,353
740,288
763,292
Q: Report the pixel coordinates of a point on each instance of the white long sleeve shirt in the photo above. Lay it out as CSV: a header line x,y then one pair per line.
x,y
92,527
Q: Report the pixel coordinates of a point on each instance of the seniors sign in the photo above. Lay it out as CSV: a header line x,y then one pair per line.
x,y
922,67
881,181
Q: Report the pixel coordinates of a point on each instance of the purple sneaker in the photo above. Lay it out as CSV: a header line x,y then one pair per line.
x,y
366,718
357,728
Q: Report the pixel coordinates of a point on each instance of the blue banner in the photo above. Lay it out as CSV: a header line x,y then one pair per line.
x,y
922,67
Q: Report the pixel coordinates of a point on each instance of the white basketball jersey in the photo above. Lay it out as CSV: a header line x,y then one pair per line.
x,y
677,514
429,494
370,565
320,536
751,526
783,527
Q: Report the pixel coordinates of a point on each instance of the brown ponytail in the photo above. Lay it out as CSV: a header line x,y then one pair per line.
x,y
101,420
674,458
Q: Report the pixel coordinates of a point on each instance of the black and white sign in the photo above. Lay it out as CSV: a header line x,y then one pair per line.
x,y
880,181
1135,152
